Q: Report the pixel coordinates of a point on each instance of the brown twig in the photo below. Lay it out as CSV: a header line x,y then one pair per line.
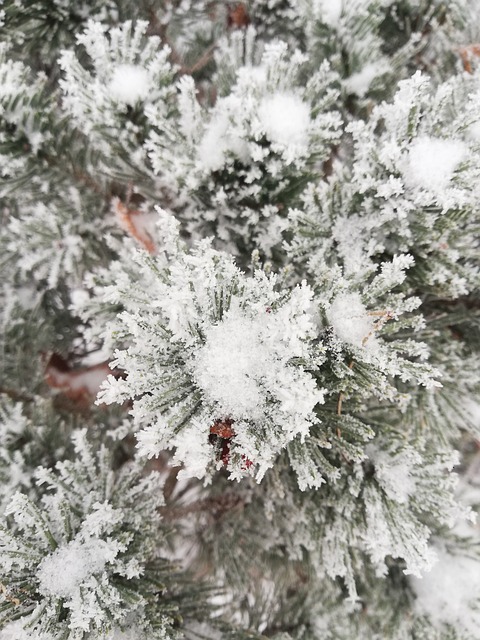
x,y
201,62
215,506
467,53
157,28
7,596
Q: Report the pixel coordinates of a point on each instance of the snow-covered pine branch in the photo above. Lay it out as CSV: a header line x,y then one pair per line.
x,y
263,215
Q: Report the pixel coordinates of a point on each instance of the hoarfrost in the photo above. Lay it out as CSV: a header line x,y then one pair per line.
x,y
189,444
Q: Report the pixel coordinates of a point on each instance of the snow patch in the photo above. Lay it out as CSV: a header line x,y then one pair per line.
x,y
360,82
218,142
351,321
432,161
129,84
62,572
231,364
329,11
285,118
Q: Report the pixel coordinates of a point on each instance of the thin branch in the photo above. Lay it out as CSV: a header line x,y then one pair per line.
x,y
215,506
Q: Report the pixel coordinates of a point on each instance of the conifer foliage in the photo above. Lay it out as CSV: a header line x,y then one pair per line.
x,y
239,390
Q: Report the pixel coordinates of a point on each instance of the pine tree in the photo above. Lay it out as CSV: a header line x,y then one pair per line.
x,y
240,320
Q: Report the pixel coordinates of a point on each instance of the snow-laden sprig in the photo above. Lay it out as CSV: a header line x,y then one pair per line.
x,y
419,178
338,31
18,447
386,507
387,607
370,326
58,241
128,71
14,470
18,631
38,33
246,157
229,369
86,558
422,144
207,346
26,442
412,188
361,40
372,526
269,117
368,331
26,110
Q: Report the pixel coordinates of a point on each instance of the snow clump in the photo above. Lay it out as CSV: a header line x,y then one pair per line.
x,y
285,119
432,162
63,572
129,84
350,320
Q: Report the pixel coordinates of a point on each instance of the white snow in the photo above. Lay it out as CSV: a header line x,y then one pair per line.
x,y
285,118
192,438
220,140
350,319
432,161
62,572
329,11
450,592
360,82
232,363
16,631
244,363
129,84
394,471
213,145
79,297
